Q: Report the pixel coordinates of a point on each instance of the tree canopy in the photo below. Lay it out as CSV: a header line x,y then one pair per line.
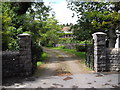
x,y
26,17
94,16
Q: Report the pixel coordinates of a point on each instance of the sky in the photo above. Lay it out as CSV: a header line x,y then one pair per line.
x,y
63,14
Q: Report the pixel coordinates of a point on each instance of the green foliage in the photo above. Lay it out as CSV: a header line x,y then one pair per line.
x,y
65,40
19,17
49,38
86,42
8,29
44,56
13,45
50,35
94,17
61,47
39,63
81,48
37,51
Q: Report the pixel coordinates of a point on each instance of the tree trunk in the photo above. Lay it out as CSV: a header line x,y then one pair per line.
x,y
112,38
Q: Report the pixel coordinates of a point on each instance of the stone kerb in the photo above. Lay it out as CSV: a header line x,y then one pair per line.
x,y
25,53
99,51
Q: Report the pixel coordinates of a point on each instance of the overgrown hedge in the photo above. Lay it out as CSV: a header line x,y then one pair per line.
x,y
36,54
36,51
81,48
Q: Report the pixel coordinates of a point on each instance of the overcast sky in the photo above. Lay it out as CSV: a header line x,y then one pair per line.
x,y
63,14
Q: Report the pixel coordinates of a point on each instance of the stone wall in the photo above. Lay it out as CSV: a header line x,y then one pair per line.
x,y
10,63
113,59
18,63
105,59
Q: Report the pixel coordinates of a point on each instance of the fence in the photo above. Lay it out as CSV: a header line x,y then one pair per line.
x,y
90,56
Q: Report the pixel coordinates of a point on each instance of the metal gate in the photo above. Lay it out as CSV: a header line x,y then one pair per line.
x,y
90,55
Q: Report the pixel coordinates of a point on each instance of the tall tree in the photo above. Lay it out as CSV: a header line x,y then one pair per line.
x,y
94,16
50,35
19,17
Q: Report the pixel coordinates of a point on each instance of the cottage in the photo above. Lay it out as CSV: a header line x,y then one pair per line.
x,y
67,32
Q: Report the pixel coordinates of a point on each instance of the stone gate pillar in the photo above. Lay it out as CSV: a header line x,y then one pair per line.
x,y
25,54
99,51
118,35
117,45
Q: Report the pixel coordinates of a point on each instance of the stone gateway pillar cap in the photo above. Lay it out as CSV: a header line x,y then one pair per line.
x,y
98,33
24,34
95,35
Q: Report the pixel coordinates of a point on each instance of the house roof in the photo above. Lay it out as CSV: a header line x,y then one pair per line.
x,y
65,28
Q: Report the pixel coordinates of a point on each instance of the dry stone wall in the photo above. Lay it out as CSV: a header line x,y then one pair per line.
x,y
18,63
113,59
105,59
10,63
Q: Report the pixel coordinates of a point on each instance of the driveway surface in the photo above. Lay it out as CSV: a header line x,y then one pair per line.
x,y
63,70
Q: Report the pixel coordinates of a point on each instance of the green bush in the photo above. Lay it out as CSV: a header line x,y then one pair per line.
x,y
62,47
44,56
36,52
39,63
13,45
81,48
86,41
65,40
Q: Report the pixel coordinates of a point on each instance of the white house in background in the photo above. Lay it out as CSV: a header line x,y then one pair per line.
x,y
67,32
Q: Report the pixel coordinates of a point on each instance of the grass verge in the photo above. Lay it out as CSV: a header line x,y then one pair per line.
x,y
72,51
44,56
